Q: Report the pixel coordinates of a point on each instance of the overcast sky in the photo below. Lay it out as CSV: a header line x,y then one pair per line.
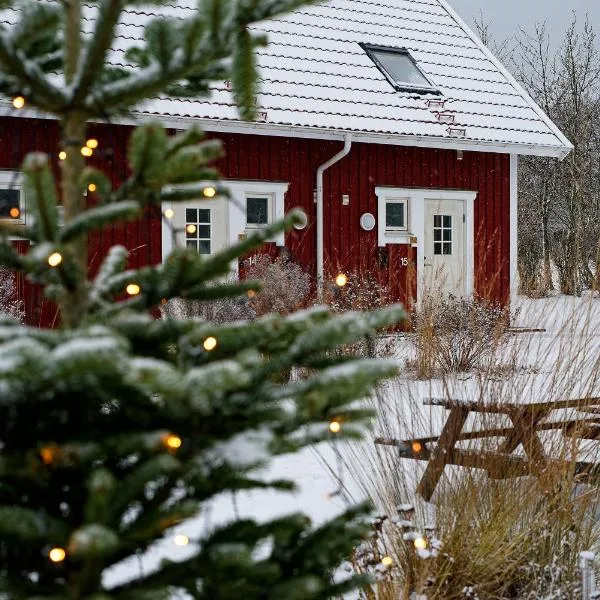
x,y
506,16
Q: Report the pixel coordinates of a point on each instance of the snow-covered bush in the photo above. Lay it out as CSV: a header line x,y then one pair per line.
x,y
456,334
10,305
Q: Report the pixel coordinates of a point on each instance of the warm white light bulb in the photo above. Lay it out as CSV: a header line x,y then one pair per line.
x,y
341,280
55,259
210,343
57,555
133,289
420,543
335,426
181,540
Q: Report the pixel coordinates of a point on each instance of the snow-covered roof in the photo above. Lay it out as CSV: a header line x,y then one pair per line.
x,y
316,80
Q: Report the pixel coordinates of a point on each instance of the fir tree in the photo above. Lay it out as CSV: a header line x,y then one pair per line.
x,y
117,427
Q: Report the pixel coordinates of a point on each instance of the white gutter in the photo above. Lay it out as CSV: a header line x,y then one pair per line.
x,y
559,151
337,157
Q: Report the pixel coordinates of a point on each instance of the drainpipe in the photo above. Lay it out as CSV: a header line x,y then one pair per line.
x,y
343,152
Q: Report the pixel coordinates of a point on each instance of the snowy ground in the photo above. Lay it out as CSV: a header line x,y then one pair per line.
x,y
551,364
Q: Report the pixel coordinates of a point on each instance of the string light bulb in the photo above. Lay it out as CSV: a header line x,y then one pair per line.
x,y
92,143
55,259
62,155
172,441
57,555
417,446
335,426
86,151
169,213
92,187
14,212
420,543
181,540
341,280
133,289
210,343
18,102
209,192
387,561
191,229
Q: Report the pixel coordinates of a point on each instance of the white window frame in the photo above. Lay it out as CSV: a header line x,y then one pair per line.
x,y
14,180
236,211
389,232
270,206
241,190
198,224
416,198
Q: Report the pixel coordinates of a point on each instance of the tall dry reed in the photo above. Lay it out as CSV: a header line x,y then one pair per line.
x,y
509,538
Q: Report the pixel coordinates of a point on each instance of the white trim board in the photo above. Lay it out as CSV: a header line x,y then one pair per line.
x,y
416,225
514,227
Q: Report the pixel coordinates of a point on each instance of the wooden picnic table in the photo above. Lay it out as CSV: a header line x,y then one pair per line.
x,y
527,421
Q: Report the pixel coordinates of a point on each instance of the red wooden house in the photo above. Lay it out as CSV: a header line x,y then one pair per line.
x,y
388,123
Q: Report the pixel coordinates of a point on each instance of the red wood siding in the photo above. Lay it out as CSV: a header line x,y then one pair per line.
x,y
18,137
347,247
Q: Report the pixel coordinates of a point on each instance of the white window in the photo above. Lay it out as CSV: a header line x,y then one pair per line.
x,y
259,210
395,215
442,235
12,204
400,69
393,218
198,229
255,204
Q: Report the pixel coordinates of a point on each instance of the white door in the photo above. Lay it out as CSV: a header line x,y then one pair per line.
x,y
444,253
201,225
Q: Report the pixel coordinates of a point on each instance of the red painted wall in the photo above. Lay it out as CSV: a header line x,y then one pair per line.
x,y
347,247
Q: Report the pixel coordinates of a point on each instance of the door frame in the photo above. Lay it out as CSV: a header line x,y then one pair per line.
x,y
416,225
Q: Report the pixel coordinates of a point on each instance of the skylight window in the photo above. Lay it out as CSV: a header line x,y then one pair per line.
x,y
400,69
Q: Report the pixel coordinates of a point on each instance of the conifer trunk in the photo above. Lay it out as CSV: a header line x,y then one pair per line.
x,y
74,303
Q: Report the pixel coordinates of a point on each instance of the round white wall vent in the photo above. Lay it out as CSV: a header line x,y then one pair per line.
x,y
303,219
367,221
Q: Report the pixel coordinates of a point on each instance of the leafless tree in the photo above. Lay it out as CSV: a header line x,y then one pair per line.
x,y
559,203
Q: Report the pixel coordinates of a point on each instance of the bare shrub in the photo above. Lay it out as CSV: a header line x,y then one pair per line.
x,y
456,334
223,310
284,285
9,304
362,292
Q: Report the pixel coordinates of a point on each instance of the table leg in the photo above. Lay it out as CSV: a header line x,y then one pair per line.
x,y
445,445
